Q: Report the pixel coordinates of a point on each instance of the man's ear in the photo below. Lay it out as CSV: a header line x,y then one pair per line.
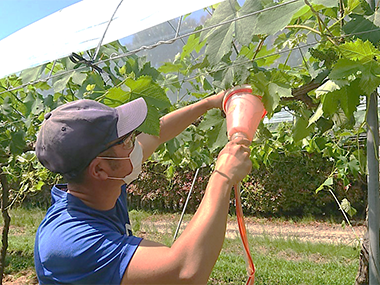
x,y
98,169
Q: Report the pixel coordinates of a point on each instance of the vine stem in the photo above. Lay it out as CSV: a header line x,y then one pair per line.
x,y
304,27
259,47
344,214
341,11
320,23
7,222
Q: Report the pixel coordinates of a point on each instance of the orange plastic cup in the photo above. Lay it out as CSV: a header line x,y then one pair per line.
x,y
244,111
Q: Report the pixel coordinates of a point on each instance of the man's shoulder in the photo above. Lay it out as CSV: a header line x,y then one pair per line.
x,y
58,192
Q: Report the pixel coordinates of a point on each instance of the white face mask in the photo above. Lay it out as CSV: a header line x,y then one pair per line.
x,y
136,157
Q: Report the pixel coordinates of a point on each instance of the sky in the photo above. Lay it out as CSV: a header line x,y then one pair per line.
x,y
16,14
75,30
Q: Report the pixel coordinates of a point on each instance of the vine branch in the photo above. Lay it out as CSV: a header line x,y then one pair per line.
x,y
300,93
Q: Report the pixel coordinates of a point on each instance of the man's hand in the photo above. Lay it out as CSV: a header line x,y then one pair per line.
x,y
233,161
216,100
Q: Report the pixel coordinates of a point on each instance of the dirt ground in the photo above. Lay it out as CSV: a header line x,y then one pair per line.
x,y
26,277
316,232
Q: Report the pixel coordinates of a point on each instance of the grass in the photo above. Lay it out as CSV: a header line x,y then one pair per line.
x,y
287,261
277,260
24,224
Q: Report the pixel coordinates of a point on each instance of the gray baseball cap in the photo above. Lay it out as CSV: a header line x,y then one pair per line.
x,y
73,134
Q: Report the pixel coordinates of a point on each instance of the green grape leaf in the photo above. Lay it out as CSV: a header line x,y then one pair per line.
x,y
266,57
32,74
229,75
346,206
272,21
328,86
60,82
359,50
218,137
170,67
171,81
17,143
301,129
370,79
347,97
42,86
375,18
26,109
267,22
275,92
219,39
354,165
79,77
352,4
328,182
350,98
31,105
173,145
153,94
193,43
245,26
344,68
360,25
220,45
116,96
324,125
38,106
140,67
326,3
317,115
215,127
186,136
259,84
330,102
151,124
271,92
6,106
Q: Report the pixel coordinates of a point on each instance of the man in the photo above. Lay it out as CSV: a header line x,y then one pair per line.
x,y
85,237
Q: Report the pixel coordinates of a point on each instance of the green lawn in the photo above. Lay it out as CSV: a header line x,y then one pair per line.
x,y
277,260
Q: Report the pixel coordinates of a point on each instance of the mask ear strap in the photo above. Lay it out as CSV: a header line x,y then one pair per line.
x,y
115,178
116,158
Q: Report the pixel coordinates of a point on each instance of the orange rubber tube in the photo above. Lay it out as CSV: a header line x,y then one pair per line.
x,y
243,236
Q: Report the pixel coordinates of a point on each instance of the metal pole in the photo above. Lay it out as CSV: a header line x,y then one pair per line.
x,y
185,206
373,182
373,187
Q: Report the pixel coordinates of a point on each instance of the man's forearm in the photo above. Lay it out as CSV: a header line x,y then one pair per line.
x,y
202,240
175,122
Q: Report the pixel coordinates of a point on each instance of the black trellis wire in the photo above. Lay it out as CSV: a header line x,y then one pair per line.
x,y
180,37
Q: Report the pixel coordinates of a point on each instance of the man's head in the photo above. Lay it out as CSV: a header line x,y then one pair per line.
x,y
72,135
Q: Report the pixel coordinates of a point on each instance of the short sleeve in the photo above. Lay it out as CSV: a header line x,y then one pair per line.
x,y
76,244
85,253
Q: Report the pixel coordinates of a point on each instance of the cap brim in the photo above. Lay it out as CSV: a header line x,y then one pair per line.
x,y
130,116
